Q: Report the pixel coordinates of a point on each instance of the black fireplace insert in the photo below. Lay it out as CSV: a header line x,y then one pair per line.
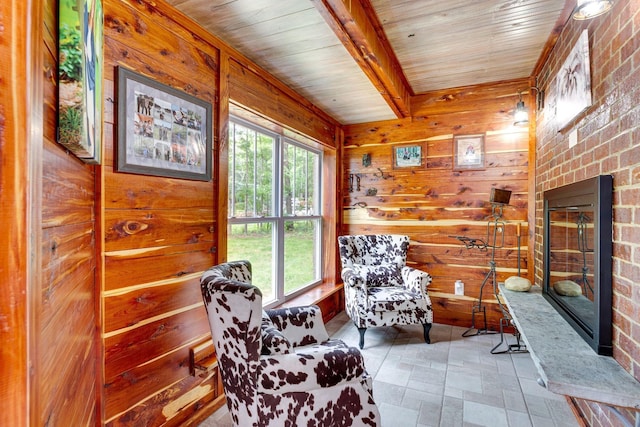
x,y
577,257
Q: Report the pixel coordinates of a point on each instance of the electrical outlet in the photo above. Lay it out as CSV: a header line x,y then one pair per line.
x,y
459,287
573,138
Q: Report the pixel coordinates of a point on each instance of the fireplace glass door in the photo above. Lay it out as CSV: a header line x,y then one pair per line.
x,y
571,266
577,257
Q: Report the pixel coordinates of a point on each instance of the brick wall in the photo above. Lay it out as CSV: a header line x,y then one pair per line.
x,y
608,143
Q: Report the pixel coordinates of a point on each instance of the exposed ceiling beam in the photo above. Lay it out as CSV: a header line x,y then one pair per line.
x,y
356,27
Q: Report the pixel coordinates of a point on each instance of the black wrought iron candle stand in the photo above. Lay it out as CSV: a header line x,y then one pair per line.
x,y
495,230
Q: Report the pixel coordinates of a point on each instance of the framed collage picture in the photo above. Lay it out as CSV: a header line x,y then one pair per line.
x,y
162,131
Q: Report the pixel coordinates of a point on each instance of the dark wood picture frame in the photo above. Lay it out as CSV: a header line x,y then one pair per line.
x,y
468,152
162,131
408,156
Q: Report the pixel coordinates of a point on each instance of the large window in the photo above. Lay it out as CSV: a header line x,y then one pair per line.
x,y
274,210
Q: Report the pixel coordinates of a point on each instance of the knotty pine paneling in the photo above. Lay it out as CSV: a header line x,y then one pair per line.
x,y
129,348
130,307
471,100
68,364
64,250
66,178
138,228
433,203
126,269
131,25
65,320
159,233
249,88
137,385
205,385
120,254
172,192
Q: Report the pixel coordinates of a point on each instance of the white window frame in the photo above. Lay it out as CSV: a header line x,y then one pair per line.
x,y
278,218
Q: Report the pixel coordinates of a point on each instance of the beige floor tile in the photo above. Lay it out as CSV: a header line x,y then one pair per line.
x,y
453,382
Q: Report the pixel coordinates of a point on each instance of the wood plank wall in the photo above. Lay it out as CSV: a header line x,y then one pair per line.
x,y
65,304
433,202
159,234
21,111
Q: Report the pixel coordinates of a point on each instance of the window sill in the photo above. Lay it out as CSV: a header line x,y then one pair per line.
x,y
328,296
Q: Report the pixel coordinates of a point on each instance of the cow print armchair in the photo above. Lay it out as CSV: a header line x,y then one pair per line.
x,y
279,367
380,289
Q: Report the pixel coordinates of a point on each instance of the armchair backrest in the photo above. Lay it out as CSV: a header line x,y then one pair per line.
x,y
373,249
234,309
233,270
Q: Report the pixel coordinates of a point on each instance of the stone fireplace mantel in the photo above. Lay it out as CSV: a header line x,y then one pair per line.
x,y
565,362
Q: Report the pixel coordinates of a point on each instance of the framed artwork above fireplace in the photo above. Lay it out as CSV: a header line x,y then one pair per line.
x,y
573,83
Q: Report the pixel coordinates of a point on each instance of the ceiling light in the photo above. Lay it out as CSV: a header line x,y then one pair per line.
x,y
521,115
587,9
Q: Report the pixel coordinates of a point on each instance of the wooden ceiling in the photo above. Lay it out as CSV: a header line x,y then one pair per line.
x,y
363,60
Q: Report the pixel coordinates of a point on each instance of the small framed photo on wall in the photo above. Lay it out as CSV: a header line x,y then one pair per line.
x,y
408,156
468,152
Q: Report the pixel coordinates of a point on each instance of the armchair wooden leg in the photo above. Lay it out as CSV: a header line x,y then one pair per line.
x,y
362,331
427,328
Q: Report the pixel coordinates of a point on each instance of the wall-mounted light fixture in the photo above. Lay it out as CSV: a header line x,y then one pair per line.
x,y
587,9
539,98
521,115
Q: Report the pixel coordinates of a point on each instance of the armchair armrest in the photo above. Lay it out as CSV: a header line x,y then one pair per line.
x,y
416,280
378,275
353,278
310,368
300,325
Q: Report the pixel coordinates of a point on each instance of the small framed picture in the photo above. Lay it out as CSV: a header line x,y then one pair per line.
x,y
162,131
468,152
408,156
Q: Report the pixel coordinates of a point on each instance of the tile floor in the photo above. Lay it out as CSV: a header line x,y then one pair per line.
x,y
452,382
